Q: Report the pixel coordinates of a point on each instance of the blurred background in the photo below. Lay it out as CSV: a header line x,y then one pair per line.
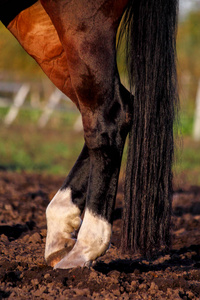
x,y
40,129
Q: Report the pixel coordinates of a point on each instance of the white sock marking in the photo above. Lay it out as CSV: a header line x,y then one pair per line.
x,y
63,217
92,241
94,234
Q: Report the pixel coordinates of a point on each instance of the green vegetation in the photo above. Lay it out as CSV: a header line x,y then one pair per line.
x,y
187,164
188,49
53,149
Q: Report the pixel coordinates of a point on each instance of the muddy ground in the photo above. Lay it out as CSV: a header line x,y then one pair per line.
x,y
24,274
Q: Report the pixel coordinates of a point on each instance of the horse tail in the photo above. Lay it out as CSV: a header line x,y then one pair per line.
x,y
150,29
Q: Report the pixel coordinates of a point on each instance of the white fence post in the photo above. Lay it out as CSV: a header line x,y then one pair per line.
x,y
21,91
53,101
196,130
17,103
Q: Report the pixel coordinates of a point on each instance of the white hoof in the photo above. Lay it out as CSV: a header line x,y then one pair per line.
x,y
93,240
72,260
63,219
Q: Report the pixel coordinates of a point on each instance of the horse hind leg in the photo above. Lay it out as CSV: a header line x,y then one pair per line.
x,y
104,115
95,233
105,129
63,215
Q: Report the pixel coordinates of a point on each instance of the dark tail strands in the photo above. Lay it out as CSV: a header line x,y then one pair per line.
x,y
150,29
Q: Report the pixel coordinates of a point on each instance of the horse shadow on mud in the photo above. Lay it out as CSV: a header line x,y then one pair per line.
x,y
174,258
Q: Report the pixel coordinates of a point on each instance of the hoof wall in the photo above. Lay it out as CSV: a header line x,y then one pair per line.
x,y
57,256
70,261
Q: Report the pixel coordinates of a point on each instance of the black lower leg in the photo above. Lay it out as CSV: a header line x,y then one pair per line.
x,y
77,180
78,177
105,150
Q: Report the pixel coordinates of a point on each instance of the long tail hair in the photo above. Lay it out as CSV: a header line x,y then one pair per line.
x,y
150,29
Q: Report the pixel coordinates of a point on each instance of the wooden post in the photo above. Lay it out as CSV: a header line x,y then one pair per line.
x,y
196,130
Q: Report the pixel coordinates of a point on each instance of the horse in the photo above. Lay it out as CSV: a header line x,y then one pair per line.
x,y
75,43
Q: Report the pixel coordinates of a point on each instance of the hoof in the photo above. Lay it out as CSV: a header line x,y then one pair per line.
x,y
57,256
63,220
76,258
68,263
92,242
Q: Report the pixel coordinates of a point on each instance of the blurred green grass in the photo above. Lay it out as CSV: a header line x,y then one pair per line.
x,y
55,148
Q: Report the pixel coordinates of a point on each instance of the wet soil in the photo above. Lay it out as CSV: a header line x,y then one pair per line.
x,y
24,274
